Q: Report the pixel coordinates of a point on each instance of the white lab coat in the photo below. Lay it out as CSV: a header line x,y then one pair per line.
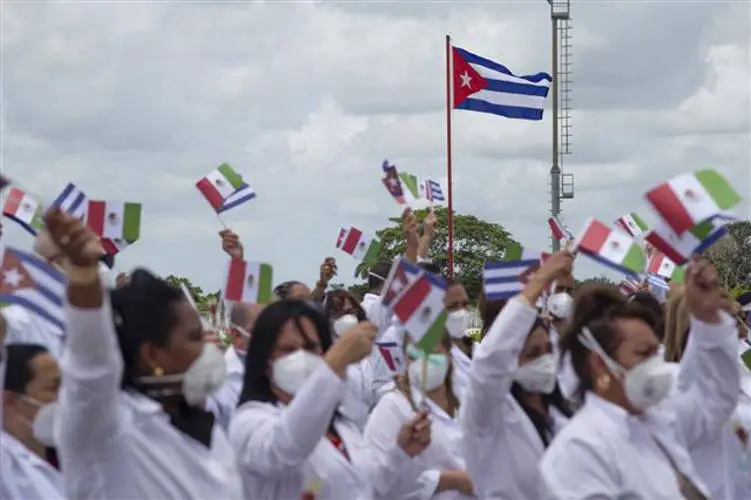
x,y
444,453
361,396
223,402
25,475
117,444
495,426
27,328
377,313
605,452
283,451
738,454
460,373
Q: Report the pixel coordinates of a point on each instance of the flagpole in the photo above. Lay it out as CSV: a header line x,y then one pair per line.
x,y
449,173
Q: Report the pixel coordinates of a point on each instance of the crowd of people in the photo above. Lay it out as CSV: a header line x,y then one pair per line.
x,y
571,393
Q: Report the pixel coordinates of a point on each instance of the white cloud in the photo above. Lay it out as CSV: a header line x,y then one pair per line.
x,y
138,101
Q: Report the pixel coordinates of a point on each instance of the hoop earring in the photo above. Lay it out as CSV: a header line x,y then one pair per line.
x,y
603,382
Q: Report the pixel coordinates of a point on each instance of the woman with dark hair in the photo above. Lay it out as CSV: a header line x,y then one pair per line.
x,y
344,312
512,406
287,434
443,461
631,438
130,421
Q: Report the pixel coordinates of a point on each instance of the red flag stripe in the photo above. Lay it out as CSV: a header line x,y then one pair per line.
x,y
666,248
13,201
595,237
386,355
410,301
624,226
109,246
667,203
95,217
236,280
556,229
655,263
209,191
353,238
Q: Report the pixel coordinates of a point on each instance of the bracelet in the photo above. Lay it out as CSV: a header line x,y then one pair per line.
x,y
82,275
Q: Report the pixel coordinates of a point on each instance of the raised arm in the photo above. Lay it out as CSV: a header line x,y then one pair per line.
x,y
709,369
87,408
496,358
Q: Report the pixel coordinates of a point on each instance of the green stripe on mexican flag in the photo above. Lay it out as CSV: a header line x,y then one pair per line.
x,y
420,310
115,220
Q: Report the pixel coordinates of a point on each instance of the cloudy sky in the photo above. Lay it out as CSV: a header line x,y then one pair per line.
x,y
137,100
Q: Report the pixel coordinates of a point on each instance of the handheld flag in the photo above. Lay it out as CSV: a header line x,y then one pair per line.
x,y
392,182
632,224
504,279
402,274
433,191
420,309
115,220
489,87
248,282
360,246
72,200
224,188
679,248
611,248
25,210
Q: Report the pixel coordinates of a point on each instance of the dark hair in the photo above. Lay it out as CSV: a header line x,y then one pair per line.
x,y
18,371
268,326
541,421
653,306
489,310
282,290
144,311
379,269
597,306
334,304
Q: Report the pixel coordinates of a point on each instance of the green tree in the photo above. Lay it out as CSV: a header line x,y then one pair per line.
x,y
475,241
597,279
731,256
203,300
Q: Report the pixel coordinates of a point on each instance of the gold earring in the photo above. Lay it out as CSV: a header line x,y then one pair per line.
x,y
603,382
158,372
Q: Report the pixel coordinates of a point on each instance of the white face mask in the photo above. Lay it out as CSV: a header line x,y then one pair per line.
x,y
646,383
539,375
204,376
436,371
457,322
344,323
43,426
242,331
290,372
559,305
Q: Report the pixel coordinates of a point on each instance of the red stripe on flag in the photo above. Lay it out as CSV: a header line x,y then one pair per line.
x,y
236,280
665,201
663,246
350,243
555,228
595,237
387,357
15,196
624,226
209,191
95,217
411,300
655,263
109,246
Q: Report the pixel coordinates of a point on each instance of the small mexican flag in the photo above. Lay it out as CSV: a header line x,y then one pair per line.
x,y
660,265
113,247
690,199
632,224
611,248
679,248
420,309
248,282
219,184
340,236
24,209
360,246
115,220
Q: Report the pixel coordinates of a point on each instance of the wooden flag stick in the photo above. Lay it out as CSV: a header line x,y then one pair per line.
x,y
221,221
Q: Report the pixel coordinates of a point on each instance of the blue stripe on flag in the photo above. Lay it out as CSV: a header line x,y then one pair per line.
x,y
611,265
500,295
241,195
502,110
711,239
24,225
28,259
501,280
516,88
34,308
71,200
481,61
489,266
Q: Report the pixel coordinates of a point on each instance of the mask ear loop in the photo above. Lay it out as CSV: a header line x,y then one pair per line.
x,y
586,339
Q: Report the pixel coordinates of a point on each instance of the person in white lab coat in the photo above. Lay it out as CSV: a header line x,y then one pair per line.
x,y
343,312
512,406
444,476
223,402
377,313
456,302
630,439
129,421
287,433
27,467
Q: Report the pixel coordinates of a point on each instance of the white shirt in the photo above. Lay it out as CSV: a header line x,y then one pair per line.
x,y
460,374
738,453
283,450
502,446
444,453
26,476
377,313
27,328
223,402
361,396
115,444
605,452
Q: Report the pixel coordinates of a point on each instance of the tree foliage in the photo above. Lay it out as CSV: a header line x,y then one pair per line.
x,y
475,241
203,300
731,256
596,279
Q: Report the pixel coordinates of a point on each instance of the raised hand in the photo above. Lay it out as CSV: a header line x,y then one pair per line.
x,y
414,436
328,270
231,244
75,240
703,292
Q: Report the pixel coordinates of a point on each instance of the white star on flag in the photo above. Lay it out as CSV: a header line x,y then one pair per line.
x,y
466,79
12,277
